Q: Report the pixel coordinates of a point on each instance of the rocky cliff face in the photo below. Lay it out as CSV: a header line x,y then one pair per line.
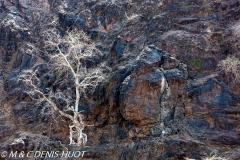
x,y
164,97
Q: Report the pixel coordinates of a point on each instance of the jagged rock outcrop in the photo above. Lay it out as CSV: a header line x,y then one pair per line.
x,y
140,91
154,93
164,97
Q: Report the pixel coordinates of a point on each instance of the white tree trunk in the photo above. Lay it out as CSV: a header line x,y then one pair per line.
x,y
76,131
76,47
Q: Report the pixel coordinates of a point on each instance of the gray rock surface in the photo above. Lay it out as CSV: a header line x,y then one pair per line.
x,y
164,97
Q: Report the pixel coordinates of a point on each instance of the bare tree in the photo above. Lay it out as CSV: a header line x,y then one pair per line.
x,y
69,54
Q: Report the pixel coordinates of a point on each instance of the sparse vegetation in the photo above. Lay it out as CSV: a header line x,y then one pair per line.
x,y
189,61
74,63
69,112
222,40
15,135
197,63
57,74
108,83
213,156
97,103
231,66
187,7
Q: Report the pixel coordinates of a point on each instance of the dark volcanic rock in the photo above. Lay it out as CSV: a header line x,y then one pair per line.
x,y
5,131
140,97
224,138
141,90
163,96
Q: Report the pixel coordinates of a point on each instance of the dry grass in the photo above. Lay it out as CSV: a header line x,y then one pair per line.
x,y
213,156
231,67
210,158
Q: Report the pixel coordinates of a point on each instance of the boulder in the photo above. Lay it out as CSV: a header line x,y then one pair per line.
x,y
140,92
140,97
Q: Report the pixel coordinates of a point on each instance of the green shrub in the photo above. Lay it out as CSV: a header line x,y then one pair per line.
x,y
69,112
108,83
97,103
15,135
222,40
197,63
57,74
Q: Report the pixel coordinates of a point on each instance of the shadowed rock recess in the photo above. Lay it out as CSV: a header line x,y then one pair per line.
x,y
163,97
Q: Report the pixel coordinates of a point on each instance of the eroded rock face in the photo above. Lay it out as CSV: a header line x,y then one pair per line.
x,y
183,43
155,104
141,91
154,94
140,94
218,103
